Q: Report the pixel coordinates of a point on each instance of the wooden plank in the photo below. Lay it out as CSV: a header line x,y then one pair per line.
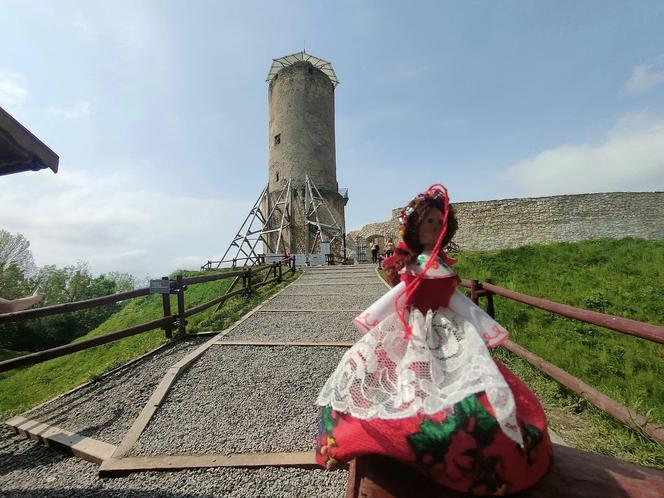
x,y
87,448
250,342
160,392
333,283
123,466
608,405
141,422
49,354
310,311
574,474
104,375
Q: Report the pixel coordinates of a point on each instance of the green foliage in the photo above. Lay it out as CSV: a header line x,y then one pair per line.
x,y
15,251
620,277
25,387
62,285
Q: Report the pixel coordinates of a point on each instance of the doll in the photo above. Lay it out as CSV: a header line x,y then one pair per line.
x,y
420,386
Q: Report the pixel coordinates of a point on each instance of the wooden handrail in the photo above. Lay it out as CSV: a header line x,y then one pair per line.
x,y
211,278
75,306
643,330
617,410
48,354
178,287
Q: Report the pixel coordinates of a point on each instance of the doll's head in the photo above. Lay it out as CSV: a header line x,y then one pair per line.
x,y
423,218
422,222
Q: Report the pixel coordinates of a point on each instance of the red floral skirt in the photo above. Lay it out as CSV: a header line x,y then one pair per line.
x,y
463,449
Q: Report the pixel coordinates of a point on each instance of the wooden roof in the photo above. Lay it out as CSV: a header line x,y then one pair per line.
x,y
20,150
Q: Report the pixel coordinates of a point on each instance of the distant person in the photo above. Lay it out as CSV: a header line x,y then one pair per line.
x,y
389,248
374,253
12,306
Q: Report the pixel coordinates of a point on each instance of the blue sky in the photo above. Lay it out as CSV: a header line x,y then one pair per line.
x,y
158,110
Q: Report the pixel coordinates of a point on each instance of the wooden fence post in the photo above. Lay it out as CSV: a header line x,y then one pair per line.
x,y
473,292
166,303
248,286
489,300
292,264
280,274
182,322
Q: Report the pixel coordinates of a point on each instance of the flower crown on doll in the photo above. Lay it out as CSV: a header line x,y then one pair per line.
x,y
438,192
435,191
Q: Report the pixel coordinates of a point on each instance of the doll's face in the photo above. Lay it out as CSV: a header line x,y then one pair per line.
x,y
430,228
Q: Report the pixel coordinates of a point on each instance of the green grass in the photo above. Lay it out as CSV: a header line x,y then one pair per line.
x,y
7,354
26,387
620,277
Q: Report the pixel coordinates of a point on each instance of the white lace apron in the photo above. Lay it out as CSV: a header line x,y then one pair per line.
x,y
444,361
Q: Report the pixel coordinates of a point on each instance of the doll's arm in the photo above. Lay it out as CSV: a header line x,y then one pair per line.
x,y
379,310
491,331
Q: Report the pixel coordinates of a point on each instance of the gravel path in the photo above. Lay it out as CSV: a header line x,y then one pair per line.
x,y
239,399
341,302
106,409
374,290
30,470
327,326
249,398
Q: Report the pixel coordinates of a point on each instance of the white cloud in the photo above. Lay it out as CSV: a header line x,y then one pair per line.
x,y
13,90
83,26
78,110
114,223
644,78
629,158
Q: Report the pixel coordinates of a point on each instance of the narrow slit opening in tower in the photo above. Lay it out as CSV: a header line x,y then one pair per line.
x,y
277,139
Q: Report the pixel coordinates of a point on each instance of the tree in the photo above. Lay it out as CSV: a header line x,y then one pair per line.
x,y
15,250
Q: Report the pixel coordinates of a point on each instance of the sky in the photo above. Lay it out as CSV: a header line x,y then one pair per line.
x,y
158,111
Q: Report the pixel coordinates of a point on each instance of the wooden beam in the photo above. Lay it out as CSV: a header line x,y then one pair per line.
x,y
89,449
162,389
336,283
250,342
573,474
310,311
123,466
141,422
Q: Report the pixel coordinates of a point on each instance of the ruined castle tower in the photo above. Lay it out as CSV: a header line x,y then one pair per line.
x,y
301,145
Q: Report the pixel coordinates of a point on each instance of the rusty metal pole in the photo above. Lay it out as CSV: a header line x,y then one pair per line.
x,y
182,322
166,303
489,300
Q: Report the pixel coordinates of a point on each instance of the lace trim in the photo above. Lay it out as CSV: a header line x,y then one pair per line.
x,y
444,361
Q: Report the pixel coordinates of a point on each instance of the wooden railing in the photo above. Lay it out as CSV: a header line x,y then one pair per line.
x,y
169,321
650,332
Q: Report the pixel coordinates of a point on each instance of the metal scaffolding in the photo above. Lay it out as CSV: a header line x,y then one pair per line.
x,y
273,224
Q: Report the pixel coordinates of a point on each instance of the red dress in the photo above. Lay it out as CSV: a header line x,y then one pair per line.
x,y
463,446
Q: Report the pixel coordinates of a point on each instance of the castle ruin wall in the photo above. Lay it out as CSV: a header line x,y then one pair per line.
x,y
498,224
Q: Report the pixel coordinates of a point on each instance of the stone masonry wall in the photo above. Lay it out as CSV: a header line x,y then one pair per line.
x,y
487,225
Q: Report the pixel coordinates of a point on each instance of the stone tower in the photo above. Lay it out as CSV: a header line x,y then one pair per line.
x,y
301,143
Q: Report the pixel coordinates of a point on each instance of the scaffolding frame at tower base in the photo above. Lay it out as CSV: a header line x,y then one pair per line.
x,y
272,225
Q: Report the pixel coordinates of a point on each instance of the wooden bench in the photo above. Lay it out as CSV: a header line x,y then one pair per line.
x,y
574,473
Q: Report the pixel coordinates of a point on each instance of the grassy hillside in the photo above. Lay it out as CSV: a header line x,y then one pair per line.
x,y
26,387
619,277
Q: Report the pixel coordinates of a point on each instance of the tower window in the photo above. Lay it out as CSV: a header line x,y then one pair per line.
x,y
277,176
277,139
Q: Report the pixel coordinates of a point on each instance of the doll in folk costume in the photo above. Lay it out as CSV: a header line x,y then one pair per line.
x,y
420,386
